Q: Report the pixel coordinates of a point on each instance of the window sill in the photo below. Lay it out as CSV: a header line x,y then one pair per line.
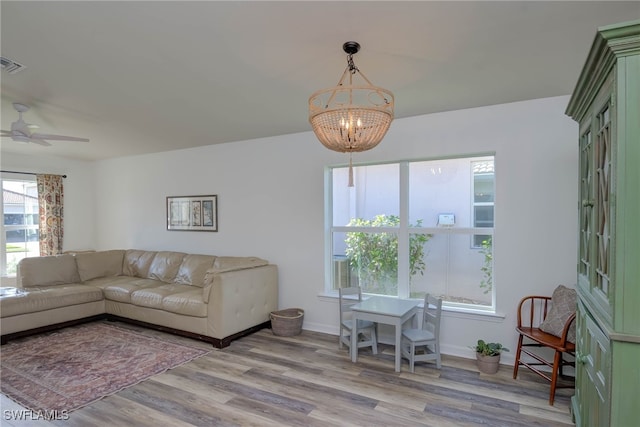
x,y
448,311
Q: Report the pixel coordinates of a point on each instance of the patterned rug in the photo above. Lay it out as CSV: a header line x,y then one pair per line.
x,y
73,367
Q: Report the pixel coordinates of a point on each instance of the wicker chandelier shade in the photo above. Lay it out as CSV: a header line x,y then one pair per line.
x,y
351,117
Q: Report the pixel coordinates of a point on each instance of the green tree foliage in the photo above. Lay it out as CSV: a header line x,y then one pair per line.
x,y
374,256
487,281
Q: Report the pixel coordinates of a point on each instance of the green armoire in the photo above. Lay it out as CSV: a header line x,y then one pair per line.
x,y
606,104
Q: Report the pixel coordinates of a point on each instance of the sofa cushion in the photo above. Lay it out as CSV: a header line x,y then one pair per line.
x,y
137,262
152,297
47,271
121,291
188,303
47,298
99,264
165,265
193,269
563,304
104,282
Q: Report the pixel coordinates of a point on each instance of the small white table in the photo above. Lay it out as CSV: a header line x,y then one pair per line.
x,y
390,311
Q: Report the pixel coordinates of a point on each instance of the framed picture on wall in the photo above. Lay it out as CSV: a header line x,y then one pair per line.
x,y
192,213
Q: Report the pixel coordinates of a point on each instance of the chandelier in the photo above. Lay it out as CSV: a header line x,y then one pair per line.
x,y
351,117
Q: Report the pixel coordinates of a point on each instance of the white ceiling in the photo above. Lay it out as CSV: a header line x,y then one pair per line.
x,y
151,76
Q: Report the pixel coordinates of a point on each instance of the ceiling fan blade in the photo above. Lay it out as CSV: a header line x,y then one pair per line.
x,y
21,130
40,142
57,137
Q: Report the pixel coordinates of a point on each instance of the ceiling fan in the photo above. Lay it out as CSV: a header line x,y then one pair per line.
x,y
21,131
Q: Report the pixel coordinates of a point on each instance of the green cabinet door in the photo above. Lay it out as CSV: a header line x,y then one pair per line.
x,y
606,104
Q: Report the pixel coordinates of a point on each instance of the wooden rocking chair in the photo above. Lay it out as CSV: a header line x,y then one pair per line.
x,y
532,311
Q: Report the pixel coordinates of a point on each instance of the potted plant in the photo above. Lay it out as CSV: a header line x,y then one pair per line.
x,y
488,356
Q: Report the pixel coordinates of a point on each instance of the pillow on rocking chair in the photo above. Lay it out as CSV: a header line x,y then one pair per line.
x,y
563,305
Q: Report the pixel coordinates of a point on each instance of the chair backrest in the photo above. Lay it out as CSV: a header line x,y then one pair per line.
x,y
346,302
532,310
432,313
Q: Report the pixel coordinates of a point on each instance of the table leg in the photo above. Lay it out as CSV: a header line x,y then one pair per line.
x,y
354,337
398,325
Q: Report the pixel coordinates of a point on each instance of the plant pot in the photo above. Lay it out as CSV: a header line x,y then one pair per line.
x,y
488,364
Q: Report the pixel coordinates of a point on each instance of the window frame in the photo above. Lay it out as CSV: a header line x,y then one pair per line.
x,y
403,231
475,204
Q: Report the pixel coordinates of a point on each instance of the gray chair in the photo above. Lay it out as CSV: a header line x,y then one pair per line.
x,y
424,343
366,330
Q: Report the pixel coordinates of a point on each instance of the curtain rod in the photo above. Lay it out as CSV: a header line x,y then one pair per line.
x,y
29,173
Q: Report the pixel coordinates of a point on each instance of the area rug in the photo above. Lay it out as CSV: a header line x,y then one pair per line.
x,y
73,367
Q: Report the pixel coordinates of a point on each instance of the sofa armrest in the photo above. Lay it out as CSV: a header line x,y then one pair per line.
x,y
240,299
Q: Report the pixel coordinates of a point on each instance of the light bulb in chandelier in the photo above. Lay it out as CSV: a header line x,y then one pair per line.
x,y
350,131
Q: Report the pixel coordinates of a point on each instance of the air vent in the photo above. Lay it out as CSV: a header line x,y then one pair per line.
x,y
10,66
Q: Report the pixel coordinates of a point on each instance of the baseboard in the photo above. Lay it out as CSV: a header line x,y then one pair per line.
x,y
321,327
465,352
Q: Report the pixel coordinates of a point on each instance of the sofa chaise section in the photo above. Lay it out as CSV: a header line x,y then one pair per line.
x,y
49,294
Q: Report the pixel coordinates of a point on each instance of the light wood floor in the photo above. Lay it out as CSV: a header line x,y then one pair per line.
x,y
264,380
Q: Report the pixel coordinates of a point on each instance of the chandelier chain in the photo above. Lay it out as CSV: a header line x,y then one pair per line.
x,y
352,67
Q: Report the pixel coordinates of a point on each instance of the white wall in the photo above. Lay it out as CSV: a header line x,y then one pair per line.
x,y
79,232
271,204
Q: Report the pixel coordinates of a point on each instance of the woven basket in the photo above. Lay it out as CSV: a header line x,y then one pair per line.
x,y
286,323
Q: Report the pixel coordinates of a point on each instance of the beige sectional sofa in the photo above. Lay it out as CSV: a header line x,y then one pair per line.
x,y
211,298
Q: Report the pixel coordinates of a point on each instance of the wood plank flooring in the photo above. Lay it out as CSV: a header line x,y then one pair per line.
x,y
264,380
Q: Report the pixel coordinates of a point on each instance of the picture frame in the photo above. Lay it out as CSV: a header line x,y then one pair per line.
x,y
192,213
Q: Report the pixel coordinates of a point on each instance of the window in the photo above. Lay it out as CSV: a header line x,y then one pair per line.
x,y
482,199
405,230
20,237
